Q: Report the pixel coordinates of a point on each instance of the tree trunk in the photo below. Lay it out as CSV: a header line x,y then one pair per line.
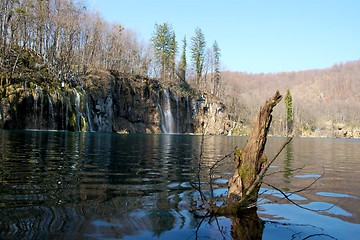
x,y
249,163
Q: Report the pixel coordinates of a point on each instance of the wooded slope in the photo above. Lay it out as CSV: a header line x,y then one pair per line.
x,y
326,102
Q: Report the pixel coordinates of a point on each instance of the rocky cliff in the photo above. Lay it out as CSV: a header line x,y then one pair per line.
x,y
107,101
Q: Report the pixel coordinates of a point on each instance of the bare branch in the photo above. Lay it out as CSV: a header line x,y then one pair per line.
x,y
219,228
307,187
318,235
200,160
198,227
211,172
283,171
296,204
220,160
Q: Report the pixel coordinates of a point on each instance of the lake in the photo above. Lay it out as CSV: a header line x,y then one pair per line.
x,y
71,185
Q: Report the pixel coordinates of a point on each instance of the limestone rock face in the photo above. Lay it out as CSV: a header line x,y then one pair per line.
x,y
211,116
107,101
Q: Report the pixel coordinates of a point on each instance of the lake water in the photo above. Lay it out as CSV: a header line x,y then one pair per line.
x,y
66,185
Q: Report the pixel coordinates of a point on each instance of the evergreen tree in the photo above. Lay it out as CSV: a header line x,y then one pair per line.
x,y
198,53
173,51
289,112
216,75
183,63
165,48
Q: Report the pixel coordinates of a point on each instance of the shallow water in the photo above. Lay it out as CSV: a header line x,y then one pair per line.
x,y
64,185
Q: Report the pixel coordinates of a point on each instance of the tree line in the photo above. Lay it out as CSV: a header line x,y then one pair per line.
x,y
71,38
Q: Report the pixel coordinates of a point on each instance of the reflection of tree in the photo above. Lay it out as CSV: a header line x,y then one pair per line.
x,y
288,162
247,226
162,220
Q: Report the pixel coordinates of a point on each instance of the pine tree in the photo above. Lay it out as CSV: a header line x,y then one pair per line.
x,y
198,53
183,63
289,112
165,48
216,75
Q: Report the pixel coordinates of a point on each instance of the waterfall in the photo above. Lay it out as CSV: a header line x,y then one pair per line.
x,y
51,113
41,107
77,107
88,111
167,119
83,118
62,116
66,115
188,115
36,98
177,115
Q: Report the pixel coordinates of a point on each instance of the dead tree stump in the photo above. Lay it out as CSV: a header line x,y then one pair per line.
x,y
250,164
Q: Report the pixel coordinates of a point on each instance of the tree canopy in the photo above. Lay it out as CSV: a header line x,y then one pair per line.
x,y
70,40
164,44
198,45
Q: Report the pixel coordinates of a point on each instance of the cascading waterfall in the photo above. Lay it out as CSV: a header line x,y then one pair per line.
x,y
41,106
62,116
83,118
88,111
51,113
66,115
126,105
188,114
77,107
36,98
177,115
167,119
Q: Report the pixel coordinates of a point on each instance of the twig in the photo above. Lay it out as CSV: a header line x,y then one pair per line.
x,y
319,234
200,160
198,227
307,187
284,171
220,160
293,202
211,171
218,225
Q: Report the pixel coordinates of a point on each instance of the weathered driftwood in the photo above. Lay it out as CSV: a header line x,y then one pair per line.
x,y
250,164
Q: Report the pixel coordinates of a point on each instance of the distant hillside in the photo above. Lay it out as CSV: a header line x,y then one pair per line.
x,y
326,102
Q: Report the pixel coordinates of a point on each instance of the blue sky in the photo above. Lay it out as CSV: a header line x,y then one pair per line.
x,y
255,36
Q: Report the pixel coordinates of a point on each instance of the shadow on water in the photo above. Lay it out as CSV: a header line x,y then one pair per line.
x,y
65,185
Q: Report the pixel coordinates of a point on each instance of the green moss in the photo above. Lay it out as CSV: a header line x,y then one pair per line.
x,y
244,172
241,131
83,125
238,152
72,120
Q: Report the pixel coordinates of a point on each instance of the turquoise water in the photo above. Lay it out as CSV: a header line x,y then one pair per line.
x,y
66,185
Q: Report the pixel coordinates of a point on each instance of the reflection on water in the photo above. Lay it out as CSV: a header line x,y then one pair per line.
x,y
64,185
287,162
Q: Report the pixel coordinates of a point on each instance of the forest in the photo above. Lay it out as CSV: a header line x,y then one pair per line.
x,y
326,102
71,40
